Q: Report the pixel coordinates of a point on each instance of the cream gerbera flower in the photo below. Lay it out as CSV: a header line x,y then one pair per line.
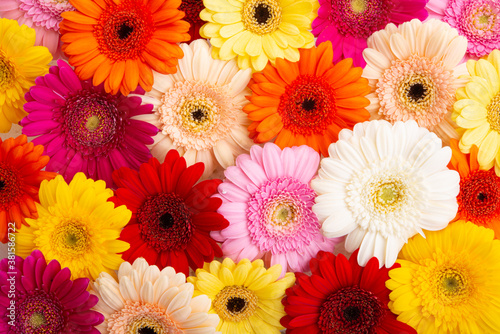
x,y
477,110
255,31
146,300
383,184
449,282
199,109
246,296
77,226
413,74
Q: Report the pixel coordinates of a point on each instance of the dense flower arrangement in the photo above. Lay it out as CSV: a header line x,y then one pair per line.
x,y
250,166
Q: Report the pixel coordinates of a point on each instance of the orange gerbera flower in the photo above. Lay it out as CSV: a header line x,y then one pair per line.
x,y
479,197
118,42
307,102
20,178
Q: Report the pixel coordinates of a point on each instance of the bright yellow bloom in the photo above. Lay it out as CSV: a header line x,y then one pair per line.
x,y
20,64
77,226
477,110
255,31
246,296
449,282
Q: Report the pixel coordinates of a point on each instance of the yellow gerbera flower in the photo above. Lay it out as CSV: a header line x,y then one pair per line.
x,y
256,31
477,110
246,296
449,282
77,226
20,64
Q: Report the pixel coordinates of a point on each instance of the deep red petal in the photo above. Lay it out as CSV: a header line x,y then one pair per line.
x,y
188,178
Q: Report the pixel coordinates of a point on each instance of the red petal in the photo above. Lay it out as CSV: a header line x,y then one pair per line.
x,y
188,178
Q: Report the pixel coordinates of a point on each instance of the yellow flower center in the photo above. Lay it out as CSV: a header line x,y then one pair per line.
x,y
145,325
7,71
284,214
416,92
261,16
37,320
453,286
358,6
198,114
235,303
493,115
92,123
387,194
71,238
483,19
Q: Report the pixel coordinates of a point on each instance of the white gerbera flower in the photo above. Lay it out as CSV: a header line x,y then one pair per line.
x,y
199,109
413,72
146,300
382,184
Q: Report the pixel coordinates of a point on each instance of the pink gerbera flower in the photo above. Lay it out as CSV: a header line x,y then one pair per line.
x,y
348,23
83,128
478,20
36,297
42,15
268,203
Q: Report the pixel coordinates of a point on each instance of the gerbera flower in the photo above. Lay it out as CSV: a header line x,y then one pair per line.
x,y
85,129
45,299
449,282
479,197
42,15
477,111
478,20
255,31
348,23
246,296
413,74
120,42
341,297
20,64
20,176
171,216
307,102
268,202
146,300
192,9
77,226
382,184
198,110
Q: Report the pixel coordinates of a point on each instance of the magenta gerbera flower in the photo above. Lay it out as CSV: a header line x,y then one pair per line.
x,y
267,201
45,299
348,23
478,20
83,128
42,15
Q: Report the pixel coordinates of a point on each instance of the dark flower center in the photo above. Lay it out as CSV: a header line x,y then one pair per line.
x,y
124,30
236,305
351,313
198,115
479,197
309,104
146,330
10,186
166,220
2,185
417,92
262,13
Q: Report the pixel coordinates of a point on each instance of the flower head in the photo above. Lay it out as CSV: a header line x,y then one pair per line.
x,y
381,185
42,15
349,23
77,226
20,64
307,102
46,299
255,31
20,177
246,296
268,202
448,282
171,216
146,300
119,42
199,109
478,20
85,129
477,111
340,296
413,74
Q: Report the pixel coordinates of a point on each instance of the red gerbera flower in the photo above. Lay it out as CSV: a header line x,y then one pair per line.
x,y
341,297
192,9
171,217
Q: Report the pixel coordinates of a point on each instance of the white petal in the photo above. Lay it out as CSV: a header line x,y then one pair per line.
x,y
353,239
181,314
128,290
111,298
185,64
393,247
338,225
161,285
180,300
167,296
224,152
366,249
400,46
147,292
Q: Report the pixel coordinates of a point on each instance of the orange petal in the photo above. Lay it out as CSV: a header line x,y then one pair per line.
x,y
287,70
265,101
353,102
262,113
270,122
326,60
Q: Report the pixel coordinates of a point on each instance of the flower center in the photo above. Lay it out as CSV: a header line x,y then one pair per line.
x,y
146,330
493,115
235,303
308,105
358,6
198,114
2,185
360,18
125,30
71,238
39,312
284,214
7,71
453,285
92,123
484,19
37,320
388,193
350,310
261,16
192,8
165,222
10,187
416,92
